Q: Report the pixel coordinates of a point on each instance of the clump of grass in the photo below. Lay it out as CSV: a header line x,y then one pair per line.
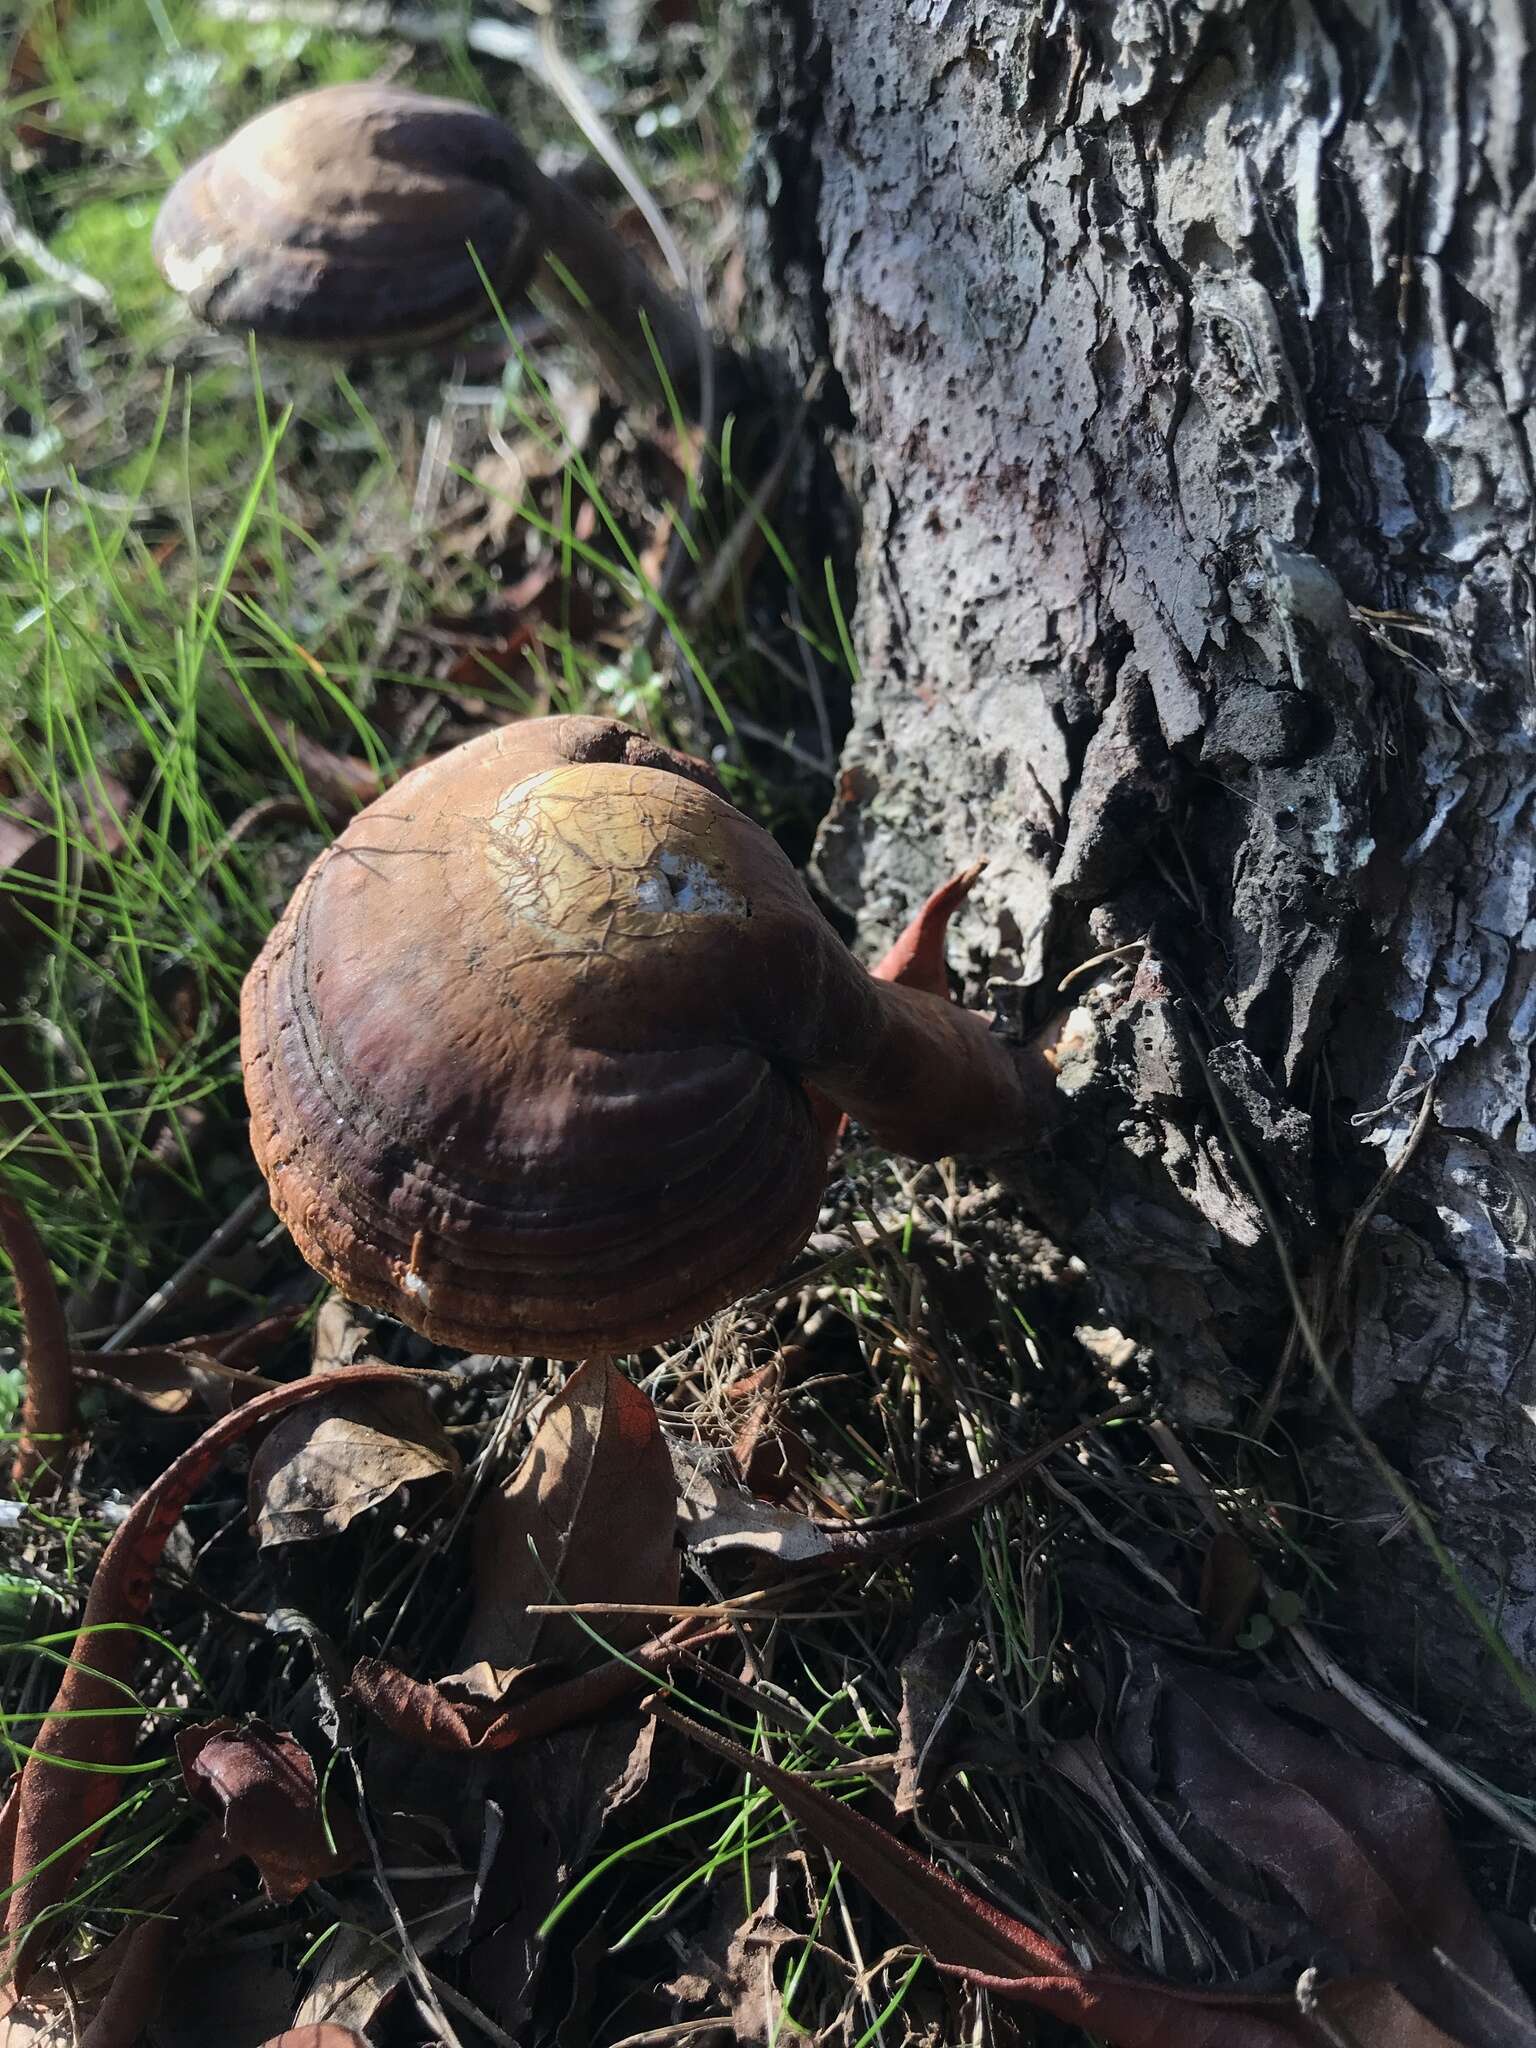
x,y
124,1036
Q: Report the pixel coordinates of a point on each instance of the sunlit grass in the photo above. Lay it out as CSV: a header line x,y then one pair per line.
x,y
141,934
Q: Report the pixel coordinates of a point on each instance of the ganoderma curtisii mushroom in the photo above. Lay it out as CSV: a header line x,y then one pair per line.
x,y
530,1054
366,217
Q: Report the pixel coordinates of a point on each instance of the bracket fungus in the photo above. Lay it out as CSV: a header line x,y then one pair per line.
x,y
360,217
530,1055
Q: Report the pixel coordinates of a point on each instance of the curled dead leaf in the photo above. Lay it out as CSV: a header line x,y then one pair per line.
x,y
933,1675
170,1380
340,1335
215,1372
758,2018
716,1513
261,1784
739,1521
336,1459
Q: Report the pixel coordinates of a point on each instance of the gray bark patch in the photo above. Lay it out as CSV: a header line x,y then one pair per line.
x,y
1186,355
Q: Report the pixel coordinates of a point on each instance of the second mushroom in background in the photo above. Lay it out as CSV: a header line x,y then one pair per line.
x,y
368,217
528,1055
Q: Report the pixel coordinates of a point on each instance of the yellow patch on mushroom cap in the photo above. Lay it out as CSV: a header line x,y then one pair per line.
x,y
602,859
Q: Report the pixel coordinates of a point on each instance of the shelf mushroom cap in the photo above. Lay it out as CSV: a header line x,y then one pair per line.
x,y
503,1052
344,218
527,1055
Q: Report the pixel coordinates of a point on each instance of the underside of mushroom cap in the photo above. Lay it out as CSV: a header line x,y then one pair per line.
x,y
522,1054
344,218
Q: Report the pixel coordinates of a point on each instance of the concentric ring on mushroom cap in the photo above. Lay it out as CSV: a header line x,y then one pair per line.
x,y
521,1055
344,217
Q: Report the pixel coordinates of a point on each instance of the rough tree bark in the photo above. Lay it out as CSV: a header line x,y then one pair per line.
x,y
1185,351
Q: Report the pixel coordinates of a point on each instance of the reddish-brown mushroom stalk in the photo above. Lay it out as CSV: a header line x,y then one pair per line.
x,y
368,217
528,1054
917,959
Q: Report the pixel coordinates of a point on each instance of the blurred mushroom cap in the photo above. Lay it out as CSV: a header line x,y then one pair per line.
x,y
344,218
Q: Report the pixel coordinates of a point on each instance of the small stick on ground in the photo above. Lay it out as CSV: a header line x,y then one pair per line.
x,y
48,1397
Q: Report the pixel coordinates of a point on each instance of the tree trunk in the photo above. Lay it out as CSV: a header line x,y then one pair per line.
x,y
1185,354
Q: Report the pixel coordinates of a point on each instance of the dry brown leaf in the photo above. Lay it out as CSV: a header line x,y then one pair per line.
x,y
773,1460
340,1335
321,1468
212,1372
738,1521
716,1513
360,1969
505,473
261,1784
30,72
757,2006
1362,1848
170,1380
556,1797
933,1673
590,1514
339,783
322,2036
